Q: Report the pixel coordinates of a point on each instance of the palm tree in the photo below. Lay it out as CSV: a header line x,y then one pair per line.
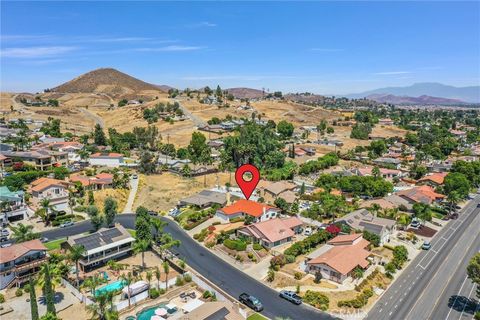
x,y
140,246
45,204
92,283
76,253
166,269
22,233
149,276
157,276
97,309
128,278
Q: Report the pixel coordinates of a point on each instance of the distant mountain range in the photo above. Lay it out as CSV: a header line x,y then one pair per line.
x,y
422,100
245,93
437,91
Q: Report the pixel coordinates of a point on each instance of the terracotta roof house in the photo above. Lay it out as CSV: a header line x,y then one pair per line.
x,y
19,261
106,159
98,182
422,194
243,208
217,310
339,257
273,232
434,179
52,189
362,220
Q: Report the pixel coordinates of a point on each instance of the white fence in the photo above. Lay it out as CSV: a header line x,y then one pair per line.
x,y
76,293
133,300
204,285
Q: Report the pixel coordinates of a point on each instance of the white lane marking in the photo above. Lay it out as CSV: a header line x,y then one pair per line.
x,y
463,310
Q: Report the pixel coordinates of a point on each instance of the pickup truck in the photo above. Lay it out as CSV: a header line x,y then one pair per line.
x,y
251,302
291,296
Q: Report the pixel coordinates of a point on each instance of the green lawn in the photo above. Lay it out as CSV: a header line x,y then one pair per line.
x,y
132,232
256,316
55,244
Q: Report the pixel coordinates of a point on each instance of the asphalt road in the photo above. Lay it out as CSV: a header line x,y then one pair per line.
x,y
230,279
424,288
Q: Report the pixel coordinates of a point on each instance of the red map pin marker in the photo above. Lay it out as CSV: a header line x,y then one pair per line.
x,y
247,187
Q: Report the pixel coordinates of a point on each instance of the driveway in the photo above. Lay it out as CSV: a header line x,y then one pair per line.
x,y
131,195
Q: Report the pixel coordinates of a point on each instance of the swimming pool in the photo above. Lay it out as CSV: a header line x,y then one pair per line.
x,y
114,286
148,313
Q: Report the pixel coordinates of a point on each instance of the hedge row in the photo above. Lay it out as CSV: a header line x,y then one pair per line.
x,y
237,245
360,301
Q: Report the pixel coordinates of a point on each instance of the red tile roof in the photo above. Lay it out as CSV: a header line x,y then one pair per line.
x,y
43,183
344,258
17,250
423,194
249,207
436,177
106,155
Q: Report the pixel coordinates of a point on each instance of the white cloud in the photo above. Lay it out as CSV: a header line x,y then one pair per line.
x,y
170,48
202,24
389,73
35,52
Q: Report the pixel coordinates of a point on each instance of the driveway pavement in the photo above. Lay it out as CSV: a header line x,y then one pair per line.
x,y
131,195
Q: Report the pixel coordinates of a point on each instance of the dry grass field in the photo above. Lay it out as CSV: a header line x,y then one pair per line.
x,y
157,192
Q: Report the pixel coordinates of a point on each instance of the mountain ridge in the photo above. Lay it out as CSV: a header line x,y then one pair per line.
x,y
469,94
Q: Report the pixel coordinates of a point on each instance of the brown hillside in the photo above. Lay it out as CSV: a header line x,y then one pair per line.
x,y
242,93
105,80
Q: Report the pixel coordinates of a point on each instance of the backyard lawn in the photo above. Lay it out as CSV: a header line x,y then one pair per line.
x,y
55,244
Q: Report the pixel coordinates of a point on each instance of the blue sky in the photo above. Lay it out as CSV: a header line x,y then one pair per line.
x,y
321,47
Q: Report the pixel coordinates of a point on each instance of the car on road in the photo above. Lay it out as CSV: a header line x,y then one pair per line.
x,y
5,245
67,224
426,245
5,232
291,296
135,176
251,302
44,239
3,238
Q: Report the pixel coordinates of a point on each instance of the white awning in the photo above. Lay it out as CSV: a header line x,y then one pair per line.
x,y
110,245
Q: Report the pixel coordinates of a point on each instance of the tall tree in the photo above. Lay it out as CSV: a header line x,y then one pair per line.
x,y
473,271
33,299
157,276
128,279
48,291
166,269
22,233
140,246
76,253
143,225
110,208
99,136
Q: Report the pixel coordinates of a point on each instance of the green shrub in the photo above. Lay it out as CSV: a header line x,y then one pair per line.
x,y
154,293
316,299
279,260
237,245
298,275
18,292
307,244
2,298
257,246
360,300
290,258
207,294
180,281
187,277
80,208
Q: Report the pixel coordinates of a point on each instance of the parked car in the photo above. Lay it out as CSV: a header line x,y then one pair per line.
x,y
5,245
174,212
291,296
67,224
415,224
152,213
44,239
5,232
135,176
308,231
426,245
251,302
3,238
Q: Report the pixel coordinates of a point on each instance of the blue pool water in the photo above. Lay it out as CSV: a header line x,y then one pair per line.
x,y
148,313
114,286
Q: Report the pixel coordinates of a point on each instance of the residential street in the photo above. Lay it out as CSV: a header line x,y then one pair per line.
x,y
230,279
424,288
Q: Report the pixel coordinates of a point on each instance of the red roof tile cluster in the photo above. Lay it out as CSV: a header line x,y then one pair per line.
x,y
423,194
43,183
17,250
436,177
252,208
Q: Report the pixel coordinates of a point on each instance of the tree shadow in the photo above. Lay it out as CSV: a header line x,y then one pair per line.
x,y
59,297
462,304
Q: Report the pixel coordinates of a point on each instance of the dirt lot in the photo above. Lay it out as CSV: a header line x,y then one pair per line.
x,y
156,193
121,195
